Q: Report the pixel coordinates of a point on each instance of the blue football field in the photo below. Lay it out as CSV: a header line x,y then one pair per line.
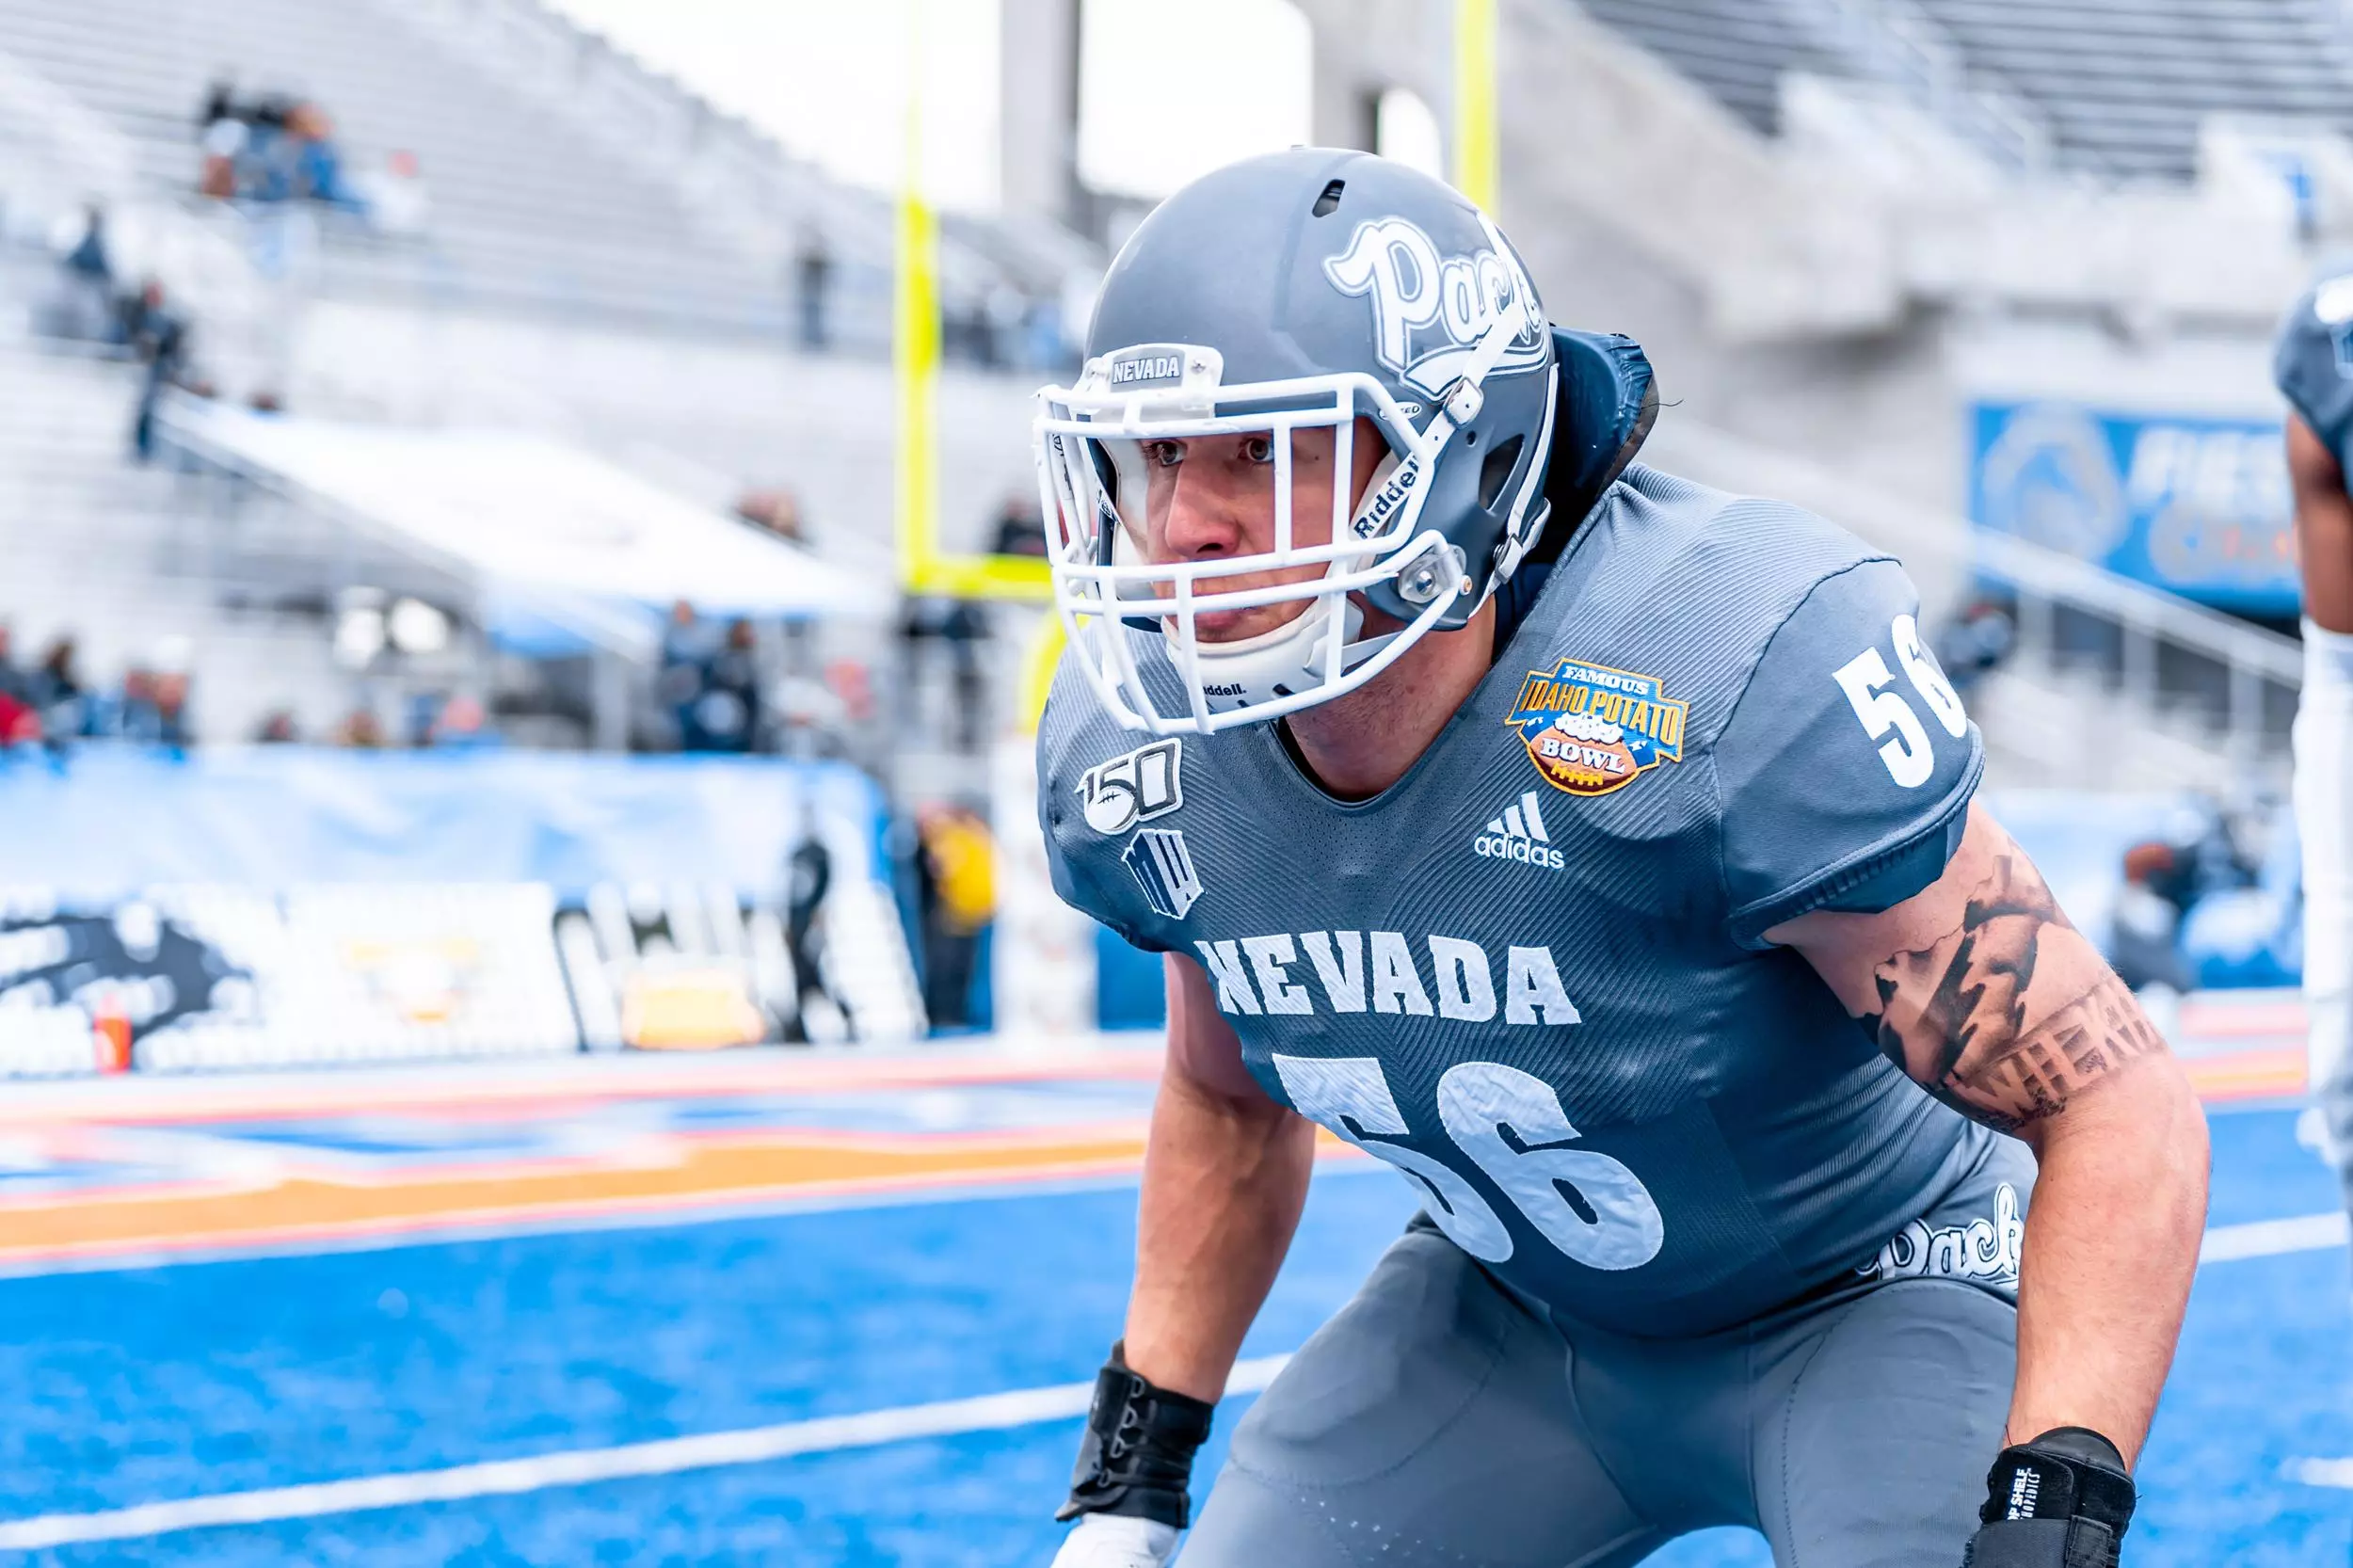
x,y
828,1372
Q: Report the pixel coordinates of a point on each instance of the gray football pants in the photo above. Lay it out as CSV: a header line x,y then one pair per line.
x,y
1439,1420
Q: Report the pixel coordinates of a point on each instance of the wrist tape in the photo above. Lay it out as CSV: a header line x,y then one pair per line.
x,y
1137,1456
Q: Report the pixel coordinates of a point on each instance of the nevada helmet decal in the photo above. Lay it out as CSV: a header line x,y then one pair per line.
x,y
1429,310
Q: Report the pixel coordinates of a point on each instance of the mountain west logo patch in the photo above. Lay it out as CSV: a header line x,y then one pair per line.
x,y
1591,729
1163,867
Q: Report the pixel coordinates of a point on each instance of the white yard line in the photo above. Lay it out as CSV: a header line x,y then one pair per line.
x,y
507,1477
2322,1472
2270,1237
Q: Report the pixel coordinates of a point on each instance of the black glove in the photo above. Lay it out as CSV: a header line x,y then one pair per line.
x,y
2061,1502
1137,1455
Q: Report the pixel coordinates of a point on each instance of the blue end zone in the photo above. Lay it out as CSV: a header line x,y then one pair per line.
x,y
156,1383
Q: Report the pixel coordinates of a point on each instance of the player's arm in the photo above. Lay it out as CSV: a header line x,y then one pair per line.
x,y
2324,527
1981,990
1225,1173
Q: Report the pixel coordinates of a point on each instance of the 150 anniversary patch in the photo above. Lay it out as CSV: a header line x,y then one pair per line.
x,y
1591,729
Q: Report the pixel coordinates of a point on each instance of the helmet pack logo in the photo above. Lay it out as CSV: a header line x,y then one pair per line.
x,y
1430,310
1591,729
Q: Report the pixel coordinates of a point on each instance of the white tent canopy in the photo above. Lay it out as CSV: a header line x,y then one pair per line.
x,y
529,516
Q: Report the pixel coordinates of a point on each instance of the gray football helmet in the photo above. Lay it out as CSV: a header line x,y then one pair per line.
x,y
1300,291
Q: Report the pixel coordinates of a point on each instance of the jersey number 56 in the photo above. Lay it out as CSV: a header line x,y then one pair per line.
x,y
1510,1123
1870,689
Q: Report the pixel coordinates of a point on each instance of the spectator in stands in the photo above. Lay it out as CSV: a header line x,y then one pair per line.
x,y
223,131
277,728
686,640
1019,530
316,162
1976,642
84,308
58,695
727,712
131,714
20,726
265,164
160,338
171,711
814,274
777,510
397,201
174,657
361,731
959,627
461,721
956,882
2144,933
88,259
220,102
686,647
806,716
19,721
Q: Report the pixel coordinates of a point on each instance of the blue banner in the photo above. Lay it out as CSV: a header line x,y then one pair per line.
x,y
110,820
2198,507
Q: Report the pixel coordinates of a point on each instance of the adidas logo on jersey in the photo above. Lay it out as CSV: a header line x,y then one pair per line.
x,y
1519,835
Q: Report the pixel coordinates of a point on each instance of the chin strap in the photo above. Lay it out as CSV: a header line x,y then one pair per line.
x,y
1460,402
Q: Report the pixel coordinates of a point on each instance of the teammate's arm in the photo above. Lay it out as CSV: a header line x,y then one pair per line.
x,y
1224,1175
1981,990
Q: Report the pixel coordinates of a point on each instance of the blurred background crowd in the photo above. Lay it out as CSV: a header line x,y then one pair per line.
x,y
593,441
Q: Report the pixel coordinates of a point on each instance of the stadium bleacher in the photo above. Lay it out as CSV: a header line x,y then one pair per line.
x,y
103,551
2119,88
537,201
1739,50
2124,84
522,209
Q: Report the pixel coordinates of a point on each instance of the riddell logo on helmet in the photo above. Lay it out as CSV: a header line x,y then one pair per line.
x,y
1394,492
1234,690
1429,310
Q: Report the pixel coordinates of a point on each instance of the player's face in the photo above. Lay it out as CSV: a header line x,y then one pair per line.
x,y
1213,497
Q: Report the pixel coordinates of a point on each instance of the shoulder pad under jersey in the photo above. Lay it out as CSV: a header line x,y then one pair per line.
x,y
2314,360
1845,771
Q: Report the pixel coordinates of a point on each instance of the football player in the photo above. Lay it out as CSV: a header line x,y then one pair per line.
x,y
2314,369
1597,849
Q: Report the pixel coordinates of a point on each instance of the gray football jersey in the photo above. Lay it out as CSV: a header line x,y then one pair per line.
x,y
2312,361
1532,973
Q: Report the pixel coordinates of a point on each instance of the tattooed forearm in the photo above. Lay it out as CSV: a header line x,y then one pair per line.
x,y
2093,1036
2014,1012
